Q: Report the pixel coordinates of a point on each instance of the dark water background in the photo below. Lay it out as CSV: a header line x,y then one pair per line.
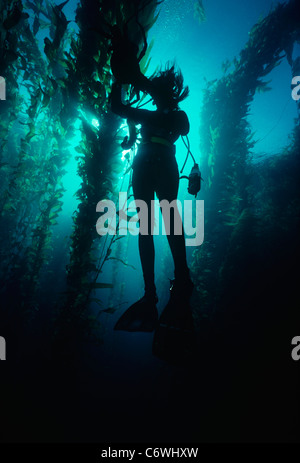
x,y
242,384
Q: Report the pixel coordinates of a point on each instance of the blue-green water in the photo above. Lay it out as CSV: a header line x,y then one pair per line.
x,y
107,386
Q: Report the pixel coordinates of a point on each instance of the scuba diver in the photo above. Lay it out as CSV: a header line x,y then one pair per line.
x,y
155,170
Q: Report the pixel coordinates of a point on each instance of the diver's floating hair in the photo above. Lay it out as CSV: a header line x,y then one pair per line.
x,y
171,80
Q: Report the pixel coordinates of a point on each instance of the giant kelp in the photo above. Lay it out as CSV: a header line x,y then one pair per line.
x,y
53,89
89,66
227,143
34,166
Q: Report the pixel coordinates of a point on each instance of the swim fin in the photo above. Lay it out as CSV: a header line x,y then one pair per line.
x,y
174,338
177,313
141,316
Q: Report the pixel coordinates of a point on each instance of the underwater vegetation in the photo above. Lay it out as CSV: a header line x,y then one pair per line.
x,y
55,87
199,11
238,217
55,289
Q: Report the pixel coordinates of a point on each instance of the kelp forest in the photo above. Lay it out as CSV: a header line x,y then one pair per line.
x,y
61,283
54,92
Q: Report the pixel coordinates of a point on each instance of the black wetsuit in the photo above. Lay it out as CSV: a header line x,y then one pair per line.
x,y
155,170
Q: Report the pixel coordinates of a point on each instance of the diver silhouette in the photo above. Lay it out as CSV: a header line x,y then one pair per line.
x,y
155,170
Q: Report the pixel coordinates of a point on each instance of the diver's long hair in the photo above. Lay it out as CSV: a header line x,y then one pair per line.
x,y
169,84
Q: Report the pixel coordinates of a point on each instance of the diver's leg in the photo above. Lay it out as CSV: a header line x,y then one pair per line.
x,y
143,314
173,337
143,190
177,246
146,249
167,189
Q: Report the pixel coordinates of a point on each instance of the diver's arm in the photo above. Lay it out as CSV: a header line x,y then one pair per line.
x,y
117,107
174,121
116,97
128,142
143,84
185,123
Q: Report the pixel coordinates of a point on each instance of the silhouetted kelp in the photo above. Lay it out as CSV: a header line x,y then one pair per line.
x,y
226,146
50,91
32,187
50,88
100,153
199,11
